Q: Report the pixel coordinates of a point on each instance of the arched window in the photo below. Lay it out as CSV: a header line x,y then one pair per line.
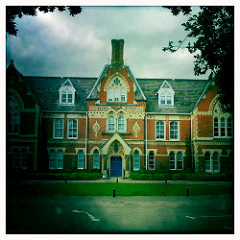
x,y
116,95
136,160
216,127
110,95
123,95
72,128
96,159
60,160
216,165
172,161
223,126
24,159
52,160
111,124
80,159
13,116
159,130
151,160
179,161
67,96
166,98
121,124
207,162
174,130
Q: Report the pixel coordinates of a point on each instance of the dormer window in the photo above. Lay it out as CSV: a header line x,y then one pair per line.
x,y
166,95
67,93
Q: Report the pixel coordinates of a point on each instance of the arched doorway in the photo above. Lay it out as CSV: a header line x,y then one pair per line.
x,y
116,166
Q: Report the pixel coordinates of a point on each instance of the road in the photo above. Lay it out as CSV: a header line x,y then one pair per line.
x,y
73,214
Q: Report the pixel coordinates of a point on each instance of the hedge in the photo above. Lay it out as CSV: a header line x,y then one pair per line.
x,y
180,176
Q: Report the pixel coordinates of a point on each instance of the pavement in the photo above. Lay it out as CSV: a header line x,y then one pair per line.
x,y
126,180
121,215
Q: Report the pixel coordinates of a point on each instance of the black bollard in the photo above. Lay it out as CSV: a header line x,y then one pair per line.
x,y
187,191
114,192
117,180
166,181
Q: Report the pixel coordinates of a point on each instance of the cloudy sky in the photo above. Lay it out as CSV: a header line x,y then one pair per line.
x,y
56,44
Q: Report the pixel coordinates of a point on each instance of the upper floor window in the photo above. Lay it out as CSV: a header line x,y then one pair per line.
x,y
123,95
111,124
58,128
67,93
116,92
110,95
174,130
121,124
160,130
166,95
13,116
222,127
72,128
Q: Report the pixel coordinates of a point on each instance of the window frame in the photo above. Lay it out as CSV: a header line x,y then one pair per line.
x,y
178,131
67,91
96,158
81,158
153,160
111,124
120,124
136,160
54,128
123,94
72,129
159,130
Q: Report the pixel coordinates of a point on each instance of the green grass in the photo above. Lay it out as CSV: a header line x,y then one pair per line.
x,y
122,189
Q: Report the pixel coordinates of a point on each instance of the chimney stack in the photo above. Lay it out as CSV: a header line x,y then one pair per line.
x,y
117,52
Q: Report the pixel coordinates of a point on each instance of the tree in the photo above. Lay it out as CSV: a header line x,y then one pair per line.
x,y
213,31
18,11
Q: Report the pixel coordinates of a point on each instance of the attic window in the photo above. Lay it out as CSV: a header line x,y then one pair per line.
x,y
67,93
166,95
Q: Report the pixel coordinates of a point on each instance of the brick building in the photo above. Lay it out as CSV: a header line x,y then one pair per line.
x,y
116,123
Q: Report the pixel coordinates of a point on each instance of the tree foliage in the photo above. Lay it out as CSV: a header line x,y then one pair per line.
x,y
18,11
212,30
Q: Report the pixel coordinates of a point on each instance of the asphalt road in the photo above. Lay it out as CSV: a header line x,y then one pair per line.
x,y
72,214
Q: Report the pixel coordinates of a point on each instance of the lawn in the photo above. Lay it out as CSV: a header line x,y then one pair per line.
x,y
121,189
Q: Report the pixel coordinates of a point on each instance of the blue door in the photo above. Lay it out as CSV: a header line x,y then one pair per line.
x,y
116,167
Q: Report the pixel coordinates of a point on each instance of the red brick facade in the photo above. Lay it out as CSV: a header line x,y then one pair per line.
x,y
119,126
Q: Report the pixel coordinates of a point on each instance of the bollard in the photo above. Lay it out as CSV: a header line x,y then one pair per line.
x,y
117,180
166,181
187,191
114,192
65,181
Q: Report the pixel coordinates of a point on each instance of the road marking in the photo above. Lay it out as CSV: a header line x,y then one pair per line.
x,y
209,216
93,219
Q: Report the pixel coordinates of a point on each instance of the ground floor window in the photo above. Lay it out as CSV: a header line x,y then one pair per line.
x,y
56,159
136,160
212,163
96,159
175,160
80,159
151,160
20,158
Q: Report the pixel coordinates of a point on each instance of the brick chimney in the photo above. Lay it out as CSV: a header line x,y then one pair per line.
x,y
117,52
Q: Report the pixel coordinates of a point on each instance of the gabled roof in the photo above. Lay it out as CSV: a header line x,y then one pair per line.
x,y
187,94
46,91
165,85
